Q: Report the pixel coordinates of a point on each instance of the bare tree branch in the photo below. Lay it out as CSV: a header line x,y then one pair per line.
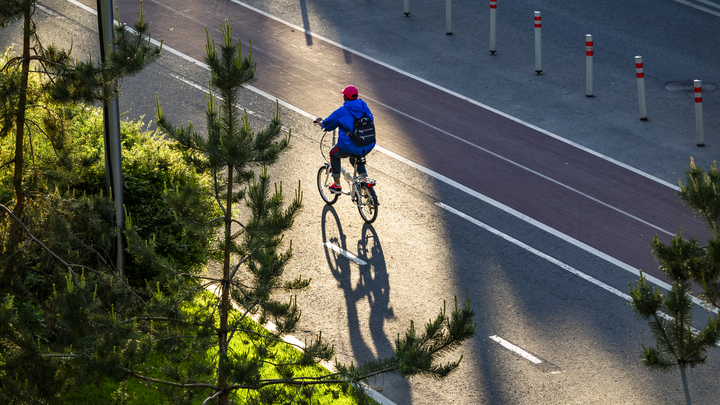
x,y
206,401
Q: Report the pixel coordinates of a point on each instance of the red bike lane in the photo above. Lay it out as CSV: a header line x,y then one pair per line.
x,y
575,192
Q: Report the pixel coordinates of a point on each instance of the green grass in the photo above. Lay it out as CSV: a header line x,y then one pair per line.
x,y
134,391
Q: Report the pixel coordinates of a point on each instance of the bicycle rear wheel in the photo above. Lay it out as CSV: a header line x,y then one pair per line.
x,y
325,179
368,204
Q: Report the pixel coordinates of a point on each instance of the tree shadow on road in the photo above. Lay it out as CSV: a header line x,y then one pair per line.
x,y
369,284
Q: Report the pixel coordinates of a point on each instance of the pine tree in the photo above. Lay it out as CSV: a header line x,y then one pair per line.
x,y
68,80
685,262
670,318
252,261
69,324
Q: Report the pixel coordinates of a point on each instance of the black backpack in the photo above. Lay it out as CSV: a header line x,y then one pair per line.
x,y
363,133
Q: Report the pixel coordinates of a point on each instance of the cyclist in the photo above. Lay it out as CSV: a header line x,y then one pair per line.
x,y
344,118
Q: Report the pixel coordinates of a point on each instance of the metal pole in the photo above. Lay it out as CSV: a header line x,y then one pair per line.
x,y
113,152
588,65
493,17
448,17
406,8
699,113
538,43
639,71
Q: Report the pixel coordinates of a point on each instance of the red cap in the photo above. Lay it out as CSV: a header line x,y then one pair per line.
x,y
350,92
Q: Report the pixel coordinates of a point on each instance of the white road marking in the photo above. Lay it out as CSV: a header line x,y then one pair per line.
x,y
375,395
460,96
438,176
709,3
345,253
516,349
539,253
294,108
82,6
566,267
701,8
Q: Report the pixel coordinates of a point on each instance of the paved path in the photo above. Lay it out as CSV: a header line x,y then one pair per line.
x,y
581,195
420,251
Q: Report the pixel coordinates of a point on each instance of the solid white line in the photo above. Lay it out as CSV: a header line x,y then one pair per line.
x,y
378,397
294,108
345,253
525,218
569,268
510,117
432,173
560,264
479,104
550,179
539,253
82,6
709,3
516,349
298,110
701,8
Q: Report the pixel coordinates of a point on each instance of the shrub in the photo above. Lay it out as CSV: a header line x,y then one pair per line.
x,y
67,158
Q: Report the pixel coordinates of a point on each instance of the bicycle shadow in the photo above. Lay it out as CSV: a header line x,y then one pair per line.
x,y
370,284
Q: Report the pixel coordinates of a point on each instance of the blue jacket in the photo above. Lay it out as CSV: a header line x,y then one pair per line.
x,y
344,118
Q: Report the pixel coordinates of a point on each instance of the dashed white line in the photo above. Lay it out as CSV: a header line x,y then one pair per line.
x,y
345,253
574,271
516,349
438,176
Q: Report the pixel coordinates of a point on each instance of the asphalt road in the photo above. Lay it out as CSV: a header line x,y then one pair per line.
x,y
419,252
576,193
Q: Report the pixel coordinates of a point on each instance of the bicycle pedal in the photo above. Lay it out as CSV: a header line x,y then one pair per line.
x,y
368,181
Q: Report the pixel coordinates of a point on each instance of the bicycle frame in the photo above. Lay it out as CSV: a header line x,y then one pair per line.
x,y
359,189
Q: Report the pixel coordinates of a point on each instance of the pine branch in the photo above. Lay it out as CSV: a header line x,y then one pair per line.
x,y
36,241
164,382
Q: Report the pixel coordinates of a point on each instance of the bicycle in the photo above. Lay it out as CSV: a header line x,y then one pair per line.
x,y
360,189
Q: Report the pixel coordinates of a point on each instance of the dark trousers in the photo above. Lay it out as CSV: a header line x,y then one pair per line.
x,y
336,154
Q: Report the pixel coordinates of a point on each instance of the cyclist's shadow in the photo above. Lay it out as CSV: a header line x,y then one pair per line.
x,y
372,283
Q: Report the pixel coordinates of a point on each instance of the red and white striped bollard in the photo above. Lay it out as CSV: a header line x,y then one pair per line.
x,y
699,112
588,65
538,43
493,17
639,71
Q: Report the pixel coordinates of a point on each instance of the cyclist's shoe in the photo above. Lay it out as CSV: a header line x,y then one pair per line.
x,y
335,188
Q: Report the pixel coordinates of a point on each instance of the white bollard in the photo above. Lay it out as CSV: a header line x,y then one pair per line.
x,y
493,12
448,17
538,44
588,65
699,113
406,9
641,87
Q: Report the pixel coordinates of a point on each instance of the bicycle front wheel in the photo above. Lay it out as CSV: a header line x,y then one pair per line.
x,y
368,204
324,180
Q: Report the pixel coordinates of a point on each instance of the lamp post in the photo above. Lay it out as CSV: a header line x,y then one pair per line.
x,y
113,158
